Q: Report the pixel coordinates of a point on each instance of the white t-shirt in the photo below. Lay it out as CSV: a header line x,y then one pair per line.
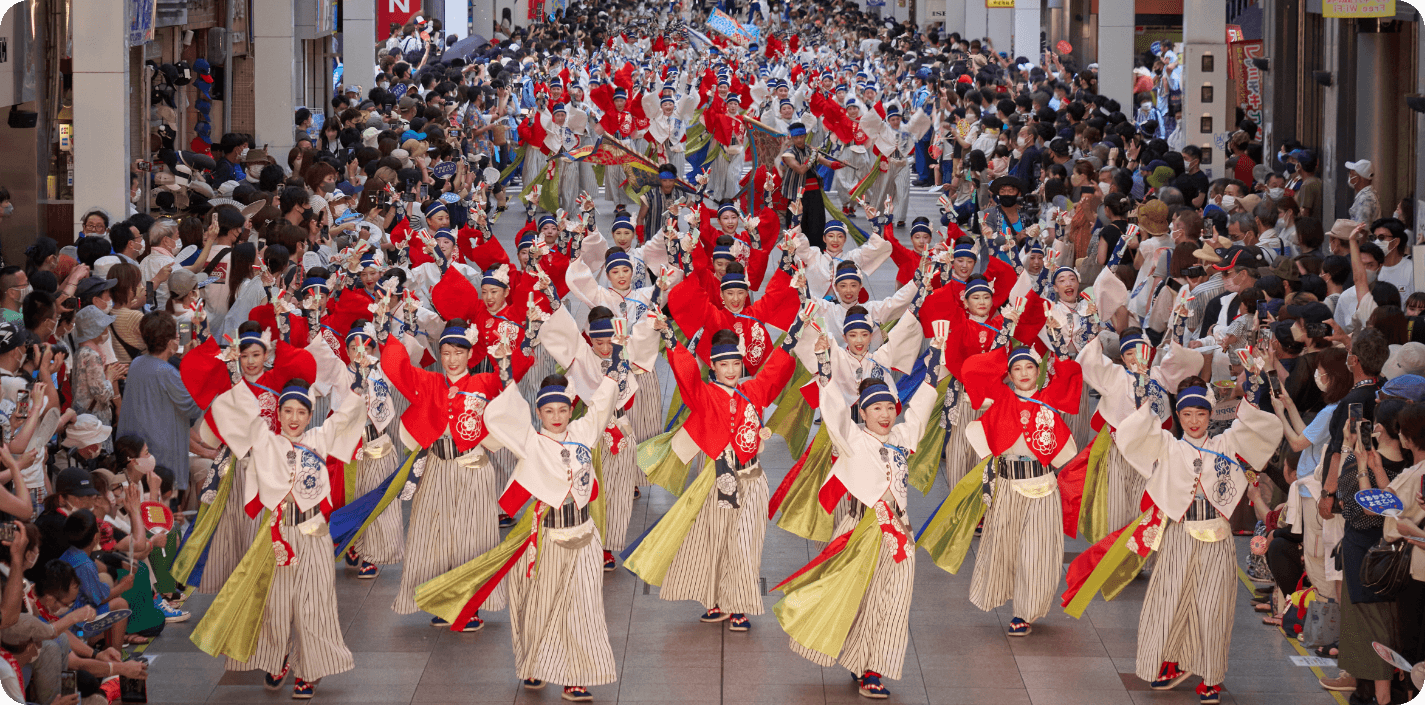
x,y
1402,275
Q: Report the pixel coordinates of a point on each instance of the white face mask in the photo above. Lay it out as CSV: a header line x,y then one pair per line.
x,y
1371,276
1321,381
1228,202
103,305
1103,188
1276,193
242,156
339,210
145,464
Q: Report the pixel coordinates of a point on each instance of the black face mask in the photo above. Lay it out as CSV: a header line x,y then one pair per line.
x,y
1007,201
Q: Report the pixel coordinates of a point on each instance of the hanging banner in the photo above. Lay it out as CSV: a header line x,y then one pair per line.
x,y
999,3
1246,77
1234,33
143,14
1363,8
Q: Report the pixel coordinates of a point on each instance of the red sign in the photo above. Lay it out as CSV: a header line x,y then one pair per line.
x,y
397,12
1248,78
1064,47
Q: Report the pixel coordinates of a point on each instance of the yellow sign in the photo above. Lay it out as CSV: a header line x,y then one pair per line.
x,y
1000,3
1358,8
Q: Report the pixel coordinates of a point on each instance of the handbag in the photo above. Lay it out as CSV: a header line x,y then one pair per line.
x,y
1323,623
1385,570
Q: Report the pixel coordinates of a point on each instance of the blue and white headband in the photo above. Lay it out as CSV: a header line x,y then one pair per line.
x,y
920,228
1194,398
455,335
620,93
617,259
547,220
666,99
726,208
734,280
965,251
855,321
1023,353
526,241
978,286
622,223
667,175
601,328
359,332
299,394
723,252
446,234
1130,341
434,208
495,276
797,131
558,108
1034,248
725,352
552,394
875,393
317,283
834,226
1061,270
848,275
251,337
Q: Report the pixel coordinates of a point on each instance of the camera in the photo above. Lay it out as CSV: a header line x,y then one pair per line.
x,y
1317,330
1194,271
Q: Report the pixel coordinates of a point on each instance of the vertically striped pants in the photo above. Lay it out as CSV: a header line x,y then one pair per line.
x,y
300,616
1187,614
1021,551
720,560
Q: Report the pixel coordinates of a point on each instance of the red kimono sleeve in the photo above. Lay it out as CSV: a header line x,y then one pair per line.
x,y
555,265
204,374
780,305
906,261
603,96
455,297
768,383
983,376
1065,388
689,306
485,255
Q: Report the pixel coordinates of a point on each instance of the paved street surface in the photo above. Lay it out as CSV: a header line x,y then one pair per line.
x,y
957,654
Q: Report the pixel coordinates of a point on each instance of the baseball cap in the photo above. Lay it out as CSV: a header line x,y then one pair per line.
x,y
75,483
1362,168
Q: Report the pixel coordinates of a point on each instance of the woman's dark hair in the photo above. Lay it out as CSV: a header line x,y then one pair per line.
x,y
128,447
1310,233
302,384
1410,424
1249,298
240,268
1390,320
276,257
724,337
458,323
130,283
1388,416
857,309
80,528
599,313
157,329
869,381
1332,362
554,380
38,308
1193,381
1337,270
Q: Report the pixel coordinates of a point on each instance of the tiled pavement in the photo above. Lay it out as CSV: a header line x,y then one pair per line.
x,y
957,655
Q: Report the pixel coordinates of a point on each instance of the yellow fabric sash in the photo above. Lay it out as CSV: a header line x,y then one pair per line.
x,y
792,418
204,525
661,465
232,624
1093,509
655,553
446,594
821,605
1117,569
947,533
801,508
925,462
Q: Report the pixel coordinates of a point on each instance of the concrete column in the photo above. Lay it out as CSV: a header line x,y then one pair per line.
x,y
1115,51
358,44
977,19
1028,16
955,16
457,18
1204,60
275,63
1417,124
101,115
483,17
999,27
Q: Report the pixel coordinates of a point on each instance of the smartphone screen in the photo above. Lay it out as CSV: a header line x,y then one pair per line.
x,y
1354,411
68,683
1364,430
1275,381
